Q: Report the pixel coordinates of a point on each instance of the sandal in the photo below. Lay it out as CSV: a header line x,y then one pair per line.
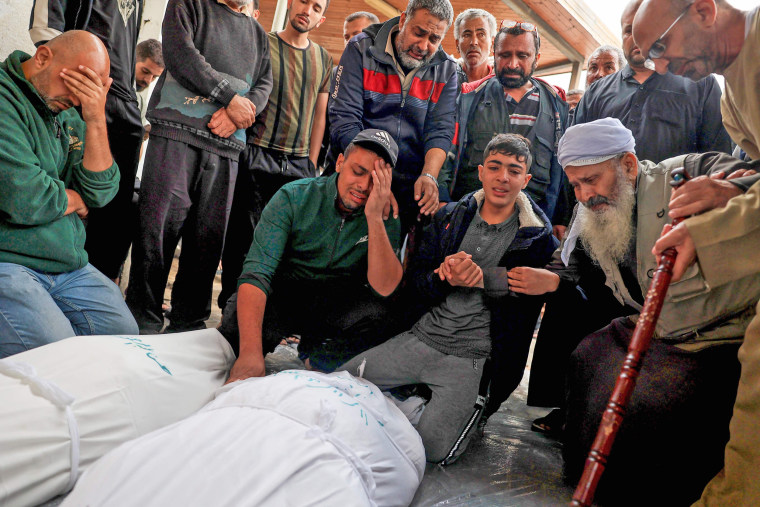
x,y
550,424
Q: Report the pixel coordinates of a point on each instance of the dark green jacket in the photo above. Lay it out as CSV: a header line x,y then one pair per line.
x,y
40,157
302,236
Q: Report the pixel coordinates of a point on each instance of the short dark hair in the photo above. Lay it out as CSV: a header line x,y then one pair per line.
x,y
516,30
369,147
362,14
510,144
255,5
150,48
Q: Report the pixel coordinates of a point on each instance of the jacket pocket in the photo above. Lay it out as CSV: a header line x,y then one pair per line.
x,y
690,285
540,170
477,142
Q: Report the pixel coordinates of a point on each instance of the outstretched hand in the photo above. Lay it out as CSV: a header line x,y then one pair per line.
x,y
704,193
426,195
532,281
247,366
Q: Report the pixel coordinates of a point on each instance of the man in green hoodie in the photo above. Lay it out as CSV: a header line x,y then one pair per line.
x,y
54,167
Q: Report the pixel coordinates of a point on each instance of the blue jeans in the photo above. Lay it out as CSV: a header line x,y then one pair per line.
x,y
39,308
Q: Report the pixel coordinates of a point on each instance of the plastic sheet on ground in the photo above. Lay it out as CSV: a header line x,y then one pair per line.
x,y
510,466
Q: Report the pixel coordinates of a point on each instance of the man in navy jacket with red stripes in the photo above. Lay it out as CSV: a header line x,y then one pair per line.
x,y
395,77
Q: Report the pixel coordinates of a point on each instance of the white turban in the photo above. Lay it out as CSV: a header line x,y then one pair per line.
x,y
594,142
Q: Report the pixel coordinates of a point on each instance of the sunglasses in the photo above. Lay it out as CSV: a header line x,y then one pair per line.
x,y
658,47
508,23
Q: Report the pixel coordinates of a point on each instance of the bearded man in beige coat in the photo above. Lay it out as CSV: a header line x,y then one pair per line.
x,y
695,38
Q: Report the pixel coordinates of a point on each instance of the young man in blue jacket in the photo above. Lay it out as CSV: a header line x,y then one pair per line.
x,y
468,313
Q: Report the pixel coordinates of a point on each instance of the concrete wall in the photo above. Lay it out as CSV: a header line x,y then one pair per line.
x,y
14,24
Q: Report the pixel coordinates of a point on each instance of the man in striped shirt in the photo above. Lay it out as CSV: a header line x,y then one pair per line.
x,y
284,143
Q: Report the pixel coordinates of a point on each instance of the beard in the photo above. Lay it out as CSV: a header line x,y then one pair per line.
x,y
636,60
41,82
515,78
299,28
407,61
607,234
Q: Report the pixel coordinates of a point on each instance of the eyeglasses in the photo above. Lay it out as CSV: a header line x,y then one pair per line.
x,y
508,23
658,47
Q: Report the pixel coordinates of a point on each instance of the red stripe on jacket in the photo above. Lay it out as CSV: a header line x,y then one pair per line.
x,y
381,83
426,90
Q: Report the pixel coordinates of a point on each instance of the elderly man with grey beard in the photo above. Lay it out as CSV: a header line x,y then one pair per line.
x,y
677,422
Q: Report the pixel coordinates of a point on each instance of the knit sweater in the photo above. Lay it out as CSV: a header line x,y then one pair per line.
x,y
211,53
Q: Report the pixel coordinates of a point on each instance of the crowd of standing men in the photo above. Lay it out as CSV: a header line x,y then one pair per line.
x,y
307,180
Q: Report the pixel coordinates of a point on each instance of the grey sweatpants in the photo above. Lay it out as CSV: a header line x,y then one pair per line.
x,y
447,423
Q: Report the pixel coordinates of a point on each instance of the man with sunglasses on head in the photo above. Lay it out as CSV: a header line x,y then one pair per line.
x,y
694,39
534,110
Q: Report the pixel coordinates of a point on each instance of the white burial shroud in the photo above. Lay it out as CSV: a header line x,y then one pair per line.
x,y
66,404
296,438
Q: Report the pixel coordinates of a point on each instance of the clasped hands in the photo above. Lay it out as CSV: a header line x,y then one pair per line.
x,y
240,113
460,271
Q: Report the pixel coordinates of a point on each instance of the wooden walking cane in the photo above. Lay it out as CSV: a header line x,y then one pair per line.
x,y
612,418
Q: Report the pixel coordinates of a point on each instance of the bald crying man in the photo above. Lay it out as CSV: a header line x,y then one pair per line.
x,y
54,166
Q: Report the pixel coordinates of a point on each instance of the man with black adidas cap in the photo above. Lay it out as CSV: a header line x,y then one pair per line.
x,y
322,264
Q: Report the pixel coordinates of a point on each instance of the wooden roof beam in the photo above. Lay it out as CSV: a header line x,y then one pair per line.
x,y
545,31
559,68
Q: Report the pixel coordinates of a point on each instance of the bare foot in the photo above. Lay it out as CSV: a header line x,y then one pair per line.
x,y
290,340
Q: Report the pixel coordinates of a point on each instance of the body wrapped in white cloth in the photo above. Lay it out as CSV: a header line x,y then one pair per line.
x,y
66,404
296,438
